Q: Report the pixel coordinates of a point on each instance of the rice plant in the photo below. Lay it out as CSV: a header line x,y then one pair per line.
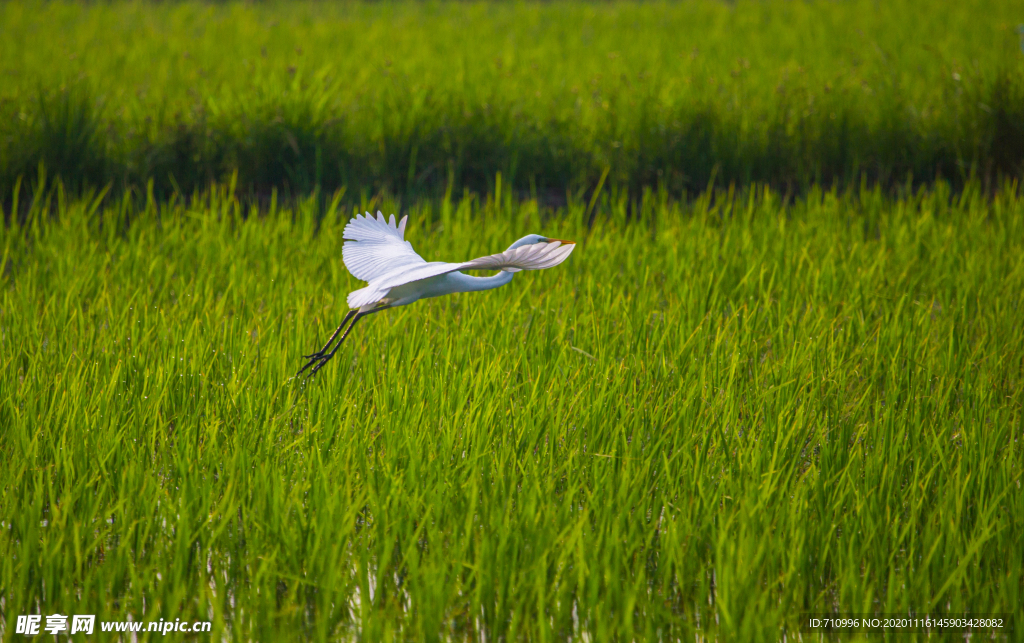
x,y
718,415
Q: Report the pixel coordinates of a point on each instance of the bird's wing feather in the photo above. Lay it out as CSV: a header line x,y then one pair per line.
x,y
533,257
376,247
537,256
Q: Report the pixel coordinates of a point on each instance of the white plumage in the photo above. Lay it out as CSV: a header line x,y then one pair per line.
x,y
376,251
376,247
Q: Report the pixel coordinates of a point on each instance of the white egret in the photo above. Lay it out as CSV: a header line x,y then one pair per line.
x,y
376,252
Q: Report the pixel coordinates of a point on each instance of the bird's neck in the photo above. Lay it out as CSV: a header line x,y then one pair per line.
x,y
467,283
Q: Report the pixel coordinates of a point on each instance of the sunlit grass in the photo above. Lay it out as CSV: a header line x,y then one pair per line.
x,y
712,418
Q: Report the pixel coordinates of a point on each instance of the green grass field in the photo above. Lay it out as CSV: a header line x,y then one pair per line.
x,y
413,97
780,375
716,416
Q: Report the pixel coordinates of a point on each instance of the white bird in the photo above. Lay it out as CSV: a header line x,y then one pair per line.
x,y
376,252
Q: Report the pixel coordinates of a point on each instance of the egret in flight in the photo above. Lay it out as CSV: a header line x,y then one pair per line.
x,y
376,251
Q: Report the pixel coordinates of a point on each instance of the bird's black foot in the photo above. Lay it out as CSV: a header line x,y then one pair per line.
x,y
317,361
323,355
313,359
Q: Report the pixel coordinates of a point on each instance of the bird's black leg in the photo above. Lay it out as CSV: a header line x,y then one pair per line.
x,y
323,359
323,351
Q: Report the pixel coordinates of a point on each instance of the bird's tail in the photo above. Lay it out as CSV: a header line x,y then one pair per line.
x,y
364,297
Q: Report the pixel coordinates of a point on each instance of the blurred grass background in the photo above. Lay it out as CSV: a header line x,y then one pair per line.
x,y
414,97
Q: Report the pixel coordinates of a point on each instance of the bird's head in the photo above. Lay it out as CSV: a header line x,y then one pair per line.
x,y
531,239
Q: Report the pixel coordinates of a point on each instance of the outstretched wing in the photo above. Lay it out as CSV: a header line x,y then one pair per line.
x,y
533,257
377,247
